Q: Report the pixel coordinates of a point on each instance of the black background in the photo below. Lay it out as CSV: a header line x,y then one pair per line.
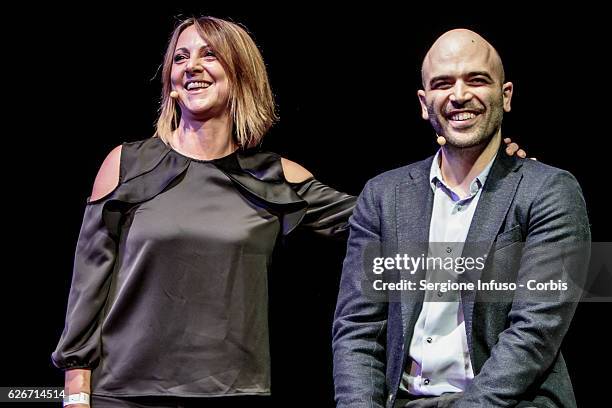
x,y
77,82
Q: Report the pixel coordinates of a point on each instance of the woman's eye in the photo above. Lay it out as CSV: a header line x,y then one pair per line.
x,y
179,57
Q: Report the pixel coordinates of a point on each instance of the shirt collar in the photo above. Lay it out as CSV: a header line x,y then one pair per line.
x,y
435,177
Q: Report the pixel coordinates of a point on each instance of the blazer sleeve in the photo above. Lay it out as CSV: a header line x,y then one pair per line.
x,y
527,348
359,328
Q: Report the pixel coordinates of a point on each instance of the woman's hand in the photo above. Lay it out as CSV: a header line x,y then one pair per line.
x,y
513,148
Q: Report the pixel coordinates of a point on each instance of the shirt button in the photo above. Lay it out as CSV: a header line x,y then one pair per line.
x,y
426,381
429,340
448,250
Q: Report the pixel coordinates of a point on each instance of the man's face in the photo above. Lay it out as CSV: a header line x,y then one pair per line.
x,y
464,99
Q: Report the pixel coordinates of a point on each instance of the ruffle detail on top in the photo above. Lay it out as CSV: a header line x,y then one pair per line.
x,y
148,167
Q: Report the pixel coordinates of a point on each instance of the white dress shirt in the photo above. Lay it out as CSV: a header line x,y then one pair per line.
x,y
439,355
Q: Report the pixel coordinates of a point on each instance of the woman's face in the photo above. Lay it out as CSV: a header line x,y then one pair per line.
x,y
199,78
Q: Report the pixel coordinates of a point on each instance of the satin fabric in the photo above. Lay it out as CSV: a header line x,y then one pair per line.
x,y
169,288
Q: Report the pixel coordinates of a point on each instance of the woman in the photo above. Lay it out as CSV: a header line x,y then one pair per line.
x,y
168,303
169,297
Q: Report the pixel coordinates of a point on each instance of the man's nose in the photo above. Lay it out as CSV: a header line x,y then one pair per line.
x,y
460,93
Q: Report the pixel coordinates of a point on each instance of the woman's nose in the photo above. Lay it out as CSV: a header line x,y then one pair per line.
x,y
194,65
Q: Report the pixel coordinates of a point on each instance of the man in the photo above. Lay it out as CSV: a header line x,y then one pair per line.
x,y
461,351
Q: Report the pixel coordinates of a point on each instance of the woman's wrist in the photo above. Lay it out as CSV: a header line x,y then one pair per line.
x,y
76,399
76,381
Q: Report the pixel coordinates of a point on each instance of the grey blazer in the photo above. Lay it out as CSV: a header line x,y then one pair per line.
x,y
514,345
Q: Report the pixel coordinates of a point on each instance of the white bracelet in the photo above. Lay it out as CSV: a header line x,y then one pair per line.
x,y
80,398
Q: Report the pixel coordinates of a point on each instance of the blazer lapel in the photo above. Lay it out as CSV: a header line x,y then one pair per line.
x,y
496,197
414,202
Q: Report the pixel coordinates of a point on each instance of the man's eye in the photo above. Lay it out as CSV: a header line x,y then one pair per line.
x,y
441,85
479,81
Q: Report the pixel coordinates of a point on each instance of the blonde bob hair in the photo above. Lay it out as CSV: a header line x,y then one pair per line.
x,y
250,102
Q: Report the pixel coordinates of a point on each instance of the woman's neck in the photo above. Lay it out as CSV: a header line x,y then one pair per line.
x,y
207,140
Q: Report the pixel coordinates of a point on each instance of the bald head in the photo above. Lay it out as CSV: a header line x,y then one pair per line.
x,y
464,93
459,48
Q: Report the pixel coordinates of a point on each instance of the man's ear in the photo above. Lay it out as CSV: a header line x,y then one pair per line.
x,y
507,89
423,102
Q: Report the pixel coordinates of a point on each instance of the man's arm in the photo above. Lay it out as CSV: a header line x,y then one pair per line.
x,y
528,347
359,329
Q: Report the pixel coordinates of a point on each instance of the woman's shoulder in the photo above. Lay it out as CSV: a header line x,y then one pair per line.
x,y
294,172
132,159
141,156
107,178
125,162
267,165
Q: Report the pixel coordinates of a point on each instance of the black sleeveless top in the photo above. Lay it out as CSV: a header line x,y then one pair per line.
x,y
169,289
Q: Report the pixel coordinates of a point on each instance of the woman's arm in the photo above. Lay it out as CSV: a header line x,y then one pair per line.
x,y
94,259
108,175
328,209
76,381
294,173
